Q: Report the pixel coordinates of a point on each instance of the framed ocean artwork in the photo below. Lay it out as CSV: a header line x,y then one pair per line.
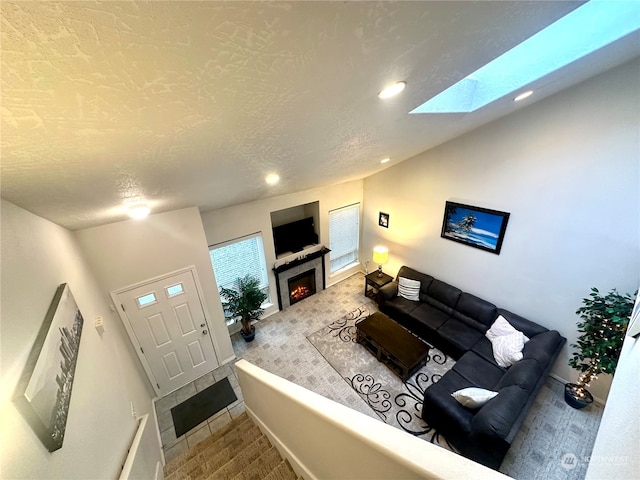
x,y
474,226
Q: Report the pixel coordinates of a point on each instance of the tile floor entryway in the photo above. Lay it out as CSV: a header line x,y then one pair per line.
x,y
173,446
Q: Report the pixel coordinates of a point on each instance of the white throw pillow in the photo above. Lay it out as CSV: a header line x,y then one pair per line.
x,y
499,328
507,349
473,397
507,342
409,289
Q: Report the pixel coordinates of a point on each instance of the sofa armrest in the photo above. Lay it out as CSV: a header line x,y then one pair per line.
x,y
492,427
387,292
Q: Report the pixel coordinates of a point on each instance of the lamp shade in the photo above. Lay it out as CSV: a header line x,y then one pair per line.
x,y
380,255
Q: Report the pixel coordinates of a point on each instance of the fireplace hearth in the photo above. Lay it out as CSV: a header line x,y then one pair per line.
x,y
302,286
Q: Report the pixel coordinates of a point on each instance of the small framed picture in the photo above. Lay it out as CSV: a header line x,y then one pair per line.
x,y
383,220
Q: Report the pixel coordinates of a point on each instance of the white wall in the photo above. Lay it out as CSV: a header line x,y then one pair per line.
x,y
611,457
129,252
37,256
239,220
567,170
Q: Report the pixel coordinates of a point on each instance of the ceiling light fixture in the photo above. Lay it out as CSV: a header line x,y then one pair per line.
x,y
139,211
272,179
392,90
523,95
385,160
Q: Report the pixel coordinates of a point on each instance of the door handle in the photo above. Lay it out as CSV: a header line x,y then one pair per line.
x,y
204,332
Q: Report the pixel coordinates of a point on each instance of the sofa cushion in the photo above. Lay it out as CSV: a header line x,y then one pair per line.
x,y
524,374
440,410
429,316
425,280
443,296
542,347
484,349
473,397
478,372
400,305
475,312
459,336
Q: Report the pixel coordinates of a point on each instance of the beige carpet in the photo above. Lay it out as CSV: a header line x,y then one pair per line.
x,y
238,451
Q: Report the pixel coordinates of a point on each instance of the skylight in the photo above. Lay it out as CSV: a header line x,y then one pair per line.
x,y
584,30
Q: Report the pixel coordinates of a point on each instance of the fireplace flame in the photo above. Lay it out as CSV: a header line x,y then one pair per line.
x,y
299,293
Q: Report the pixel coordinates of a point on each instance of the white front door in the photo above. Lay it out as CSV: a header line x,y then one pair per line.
x,y
166,320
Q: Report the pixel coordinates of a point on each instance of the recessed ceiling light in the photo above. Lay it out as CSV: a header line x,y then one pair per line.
x,y
138,211
385,160
272,179
392,90
523,95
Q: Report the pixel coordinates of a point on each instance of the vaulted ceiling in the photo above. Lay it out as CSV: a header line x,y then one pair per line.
x,y
193,103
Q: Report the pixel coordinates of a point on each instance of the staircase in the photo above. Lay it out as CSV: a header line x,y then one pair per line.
x,y
238,451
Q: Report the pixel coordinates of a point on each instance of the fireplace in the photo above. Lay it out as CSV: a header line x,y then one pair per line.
x,y
302,286
288,272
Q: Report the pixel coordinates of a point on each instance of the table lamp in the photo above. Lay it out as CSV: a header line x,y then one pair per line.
x,y
380,256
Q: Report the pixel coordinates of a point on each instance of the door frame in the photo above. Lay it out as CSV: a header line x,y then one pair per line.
x,y
132,336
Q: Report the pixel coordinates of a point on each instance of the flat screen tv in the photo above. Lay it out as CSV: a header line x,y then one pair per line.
x,y
294,236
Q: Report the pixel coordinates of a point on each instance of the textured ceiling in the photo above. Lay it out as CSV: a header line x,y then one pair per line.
x,y
194,103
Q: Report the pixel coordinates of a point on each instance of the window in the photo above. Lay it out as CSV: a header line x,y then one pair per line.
x,y
146,300
237,258
344,235
174,290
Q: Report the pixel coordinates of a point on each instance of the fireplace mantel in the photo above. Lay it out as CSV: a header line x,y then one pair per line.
x,y
284,271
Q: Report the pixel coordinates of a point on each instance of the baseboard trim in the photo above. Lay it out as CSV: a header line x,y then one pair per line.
x,y
228,359
159,470
297,465
338,280
163,460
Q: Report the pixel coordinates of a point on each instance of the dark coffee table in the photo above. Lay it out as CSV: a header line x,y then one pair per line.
x,y
392,345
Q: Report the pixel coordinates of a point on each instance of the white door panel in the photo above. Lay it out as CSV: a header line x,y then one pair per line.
x,y
168,321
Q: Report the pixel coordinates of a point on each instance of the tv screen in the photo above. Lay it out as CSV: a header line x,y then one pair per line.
x,y
294,236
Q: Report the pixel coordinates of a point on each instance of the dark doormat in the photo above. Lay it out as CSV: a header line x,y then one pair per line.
x,y
201,406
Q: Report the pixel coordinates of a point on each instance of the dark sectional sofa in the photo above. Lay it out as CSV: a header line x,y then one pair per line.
x,y
456,323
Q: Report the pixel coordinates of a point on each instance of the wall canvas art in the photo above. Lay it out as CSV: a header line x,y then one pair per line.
x,y
44,390
474,226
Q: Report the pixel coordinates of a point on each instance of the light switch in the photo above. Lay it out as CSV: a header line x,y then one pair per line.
x,y
99,324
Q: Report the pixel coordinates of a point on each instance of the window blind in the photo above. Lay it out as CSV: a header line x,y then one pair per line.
x,y
344,236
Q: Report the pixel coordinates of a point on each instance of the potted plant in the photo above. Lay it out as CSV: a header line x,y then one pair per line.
x,y
244,301
604,320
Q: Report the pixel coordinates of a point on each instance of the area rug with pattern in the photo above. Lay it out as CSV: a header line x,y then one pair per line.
x,y
396,403
552,432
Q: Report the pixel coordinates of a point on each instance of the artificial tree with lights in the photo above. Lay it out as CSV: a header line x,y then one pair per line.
x,y
604,320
